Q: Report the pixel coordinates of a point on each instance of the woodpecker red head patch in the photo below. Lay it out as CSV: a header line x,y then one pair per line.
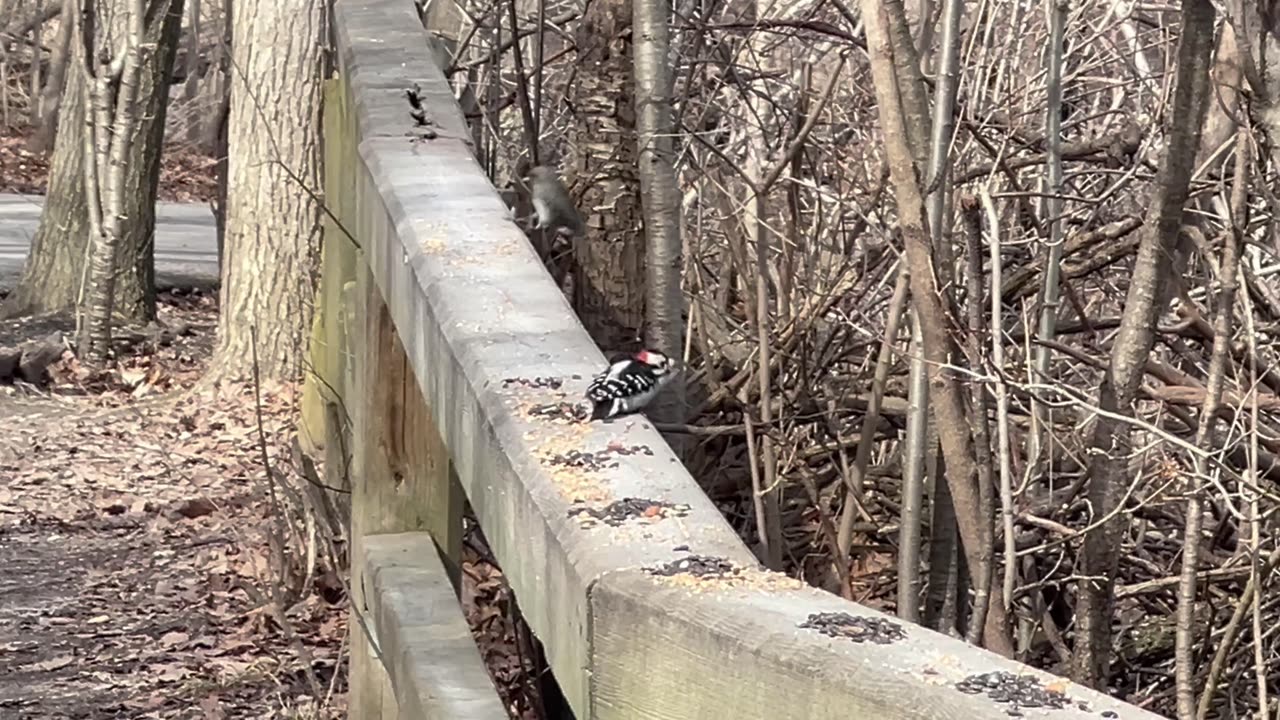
x,y
650,357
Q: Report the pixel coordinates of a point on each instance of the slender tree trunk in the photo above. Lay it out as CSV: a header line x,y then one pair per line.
x,y
54,273
55,82
913,92
37,63
1206,436
1220,122
191,83
1152,273
219,202
984,577
945,558
1258,50
939,216
110,119
608,288
660,194
219,76
1049,295
272,245
217,142
914,448
914,102
1003,451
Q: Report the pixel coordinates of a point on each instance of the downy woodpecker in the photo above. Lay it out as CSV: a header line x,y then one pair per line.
x,y
629,384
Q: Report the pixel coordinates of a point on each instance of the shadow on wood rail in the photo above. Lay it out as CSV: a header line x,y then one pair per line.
x,y
437,333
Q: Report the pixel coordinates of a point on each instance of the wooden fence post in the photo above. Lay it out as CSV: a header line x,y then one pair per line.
x,y
400,478
373,484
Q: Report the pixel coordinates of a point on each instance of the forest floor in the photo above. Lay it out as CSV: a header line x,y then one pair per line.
x,y
134,536
137,521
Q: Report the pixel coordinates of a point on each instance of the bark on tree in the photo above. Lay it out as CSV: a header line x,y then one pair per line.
x,y
914,101
272,244
664,260
55,82
1152,275
913,91
609,262
52,278
1050,291
219,78
191,83
217,140
110,120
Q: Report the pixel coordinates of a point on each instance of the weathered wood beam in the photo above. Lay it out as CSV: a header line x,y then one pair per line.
x,y
432,660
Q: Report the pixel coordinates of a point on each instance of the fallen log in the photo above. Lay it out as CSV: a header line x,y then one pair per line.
x,y
30,361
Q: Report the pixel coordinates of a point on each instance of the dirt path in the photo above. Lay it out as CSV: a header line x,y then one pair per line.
x,y
135,574
77,623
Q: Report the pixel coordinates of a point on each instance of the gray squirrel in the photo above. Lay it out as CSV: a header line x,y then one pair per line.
x,y
552,207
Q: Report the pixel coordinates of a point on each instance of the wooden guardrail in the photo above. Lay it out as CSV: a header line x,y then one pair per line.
x,y
445,357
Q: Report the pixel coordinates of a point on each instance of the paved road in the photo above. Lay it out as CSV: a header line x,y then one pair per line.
x,y
186,241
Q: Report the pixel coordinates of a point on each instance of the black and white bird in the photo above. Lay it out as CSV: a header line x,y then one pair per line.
x,y
629,384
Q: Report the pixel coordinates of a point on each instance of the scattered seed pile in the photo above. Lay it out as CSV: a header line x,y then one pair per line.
x,y
855,627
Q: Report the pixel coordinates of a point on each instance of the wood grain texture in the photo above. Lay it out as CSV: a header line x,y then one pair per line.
x,y
369,681
436,670
665,649
322,384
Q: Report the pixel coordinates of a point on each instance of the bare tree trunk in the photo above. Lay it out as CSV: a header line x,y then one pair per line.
x,y
55,83
913,93
914,98
1049,297
272,246
217,141
37,48
219,202
1258,52
660,194
911,518
1152,273
940,612
1003,450
191,83
54,273
937,175
219,75
974,311
1224,302
110,118
608,288
54,269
